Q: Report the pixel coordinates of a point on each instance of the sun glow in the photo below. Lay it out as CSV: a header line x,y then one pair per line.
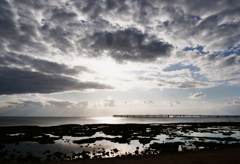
x,y
107,120
109,67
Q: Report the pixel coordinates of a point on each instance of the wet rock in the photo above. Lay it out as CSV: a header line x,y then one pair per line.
x,y
2,146
167,147
46,152
115,150
136,152
86,155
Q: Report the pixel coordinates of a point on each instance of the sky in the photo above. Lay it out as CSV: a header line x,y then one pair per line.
x,y
105,57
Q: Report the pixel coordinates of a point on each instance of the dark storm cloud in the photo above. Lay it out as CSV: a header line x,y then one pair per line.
x,y
26,44
94,9
17,32
127,45
58,36
37,4
17,81
22,32
62,15
90,7
40,65
8,28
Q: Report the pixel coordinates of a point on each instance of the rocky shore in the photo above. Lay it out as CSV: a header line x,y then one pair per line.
x,y
119,142
219,156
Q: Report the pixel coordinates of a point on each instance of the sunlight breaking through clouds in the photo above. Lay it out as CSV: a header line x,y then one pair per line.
x,y
152,51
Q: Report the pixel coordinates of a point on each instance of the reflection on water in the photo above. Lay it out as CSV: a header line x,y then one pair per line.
x,y
66,146
53,121
106,120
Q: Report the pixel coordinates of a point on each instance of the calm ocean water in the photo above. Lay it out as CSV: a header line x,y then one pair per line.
x,y
52,121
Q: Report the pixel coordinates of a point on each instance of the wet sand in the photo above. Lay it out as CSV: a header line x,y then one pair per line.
x,y
221,156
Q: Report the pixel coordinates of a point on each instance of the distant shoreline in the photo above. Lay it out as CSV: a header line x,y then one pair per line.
x,y
177,116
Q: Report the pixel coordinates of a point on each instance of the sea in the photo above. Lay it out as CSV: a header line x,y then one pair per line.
x,y
55,121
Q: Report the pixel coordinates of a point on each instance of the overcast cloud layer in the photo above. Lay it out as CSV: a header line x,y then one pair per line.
x,y
50,47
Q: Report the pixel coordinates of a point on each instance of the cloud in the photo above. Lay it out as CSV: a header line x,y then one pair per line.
x,y
61,15
169,103
51,26
8,28
50,40
17,81
136,102
185,84
211,29
168,83
125,102
176,102
45,107
108,102
12,59
205,102
126,45
220,67
228,61
236,102
197,96
94,9
148,102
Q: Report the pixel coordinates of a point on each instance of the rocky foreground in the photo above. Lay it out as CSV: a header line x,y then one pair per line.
x,y
185,142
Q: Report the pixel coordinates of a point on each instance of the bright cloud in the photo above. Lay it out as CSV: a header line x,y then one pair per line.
x,y
197,96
